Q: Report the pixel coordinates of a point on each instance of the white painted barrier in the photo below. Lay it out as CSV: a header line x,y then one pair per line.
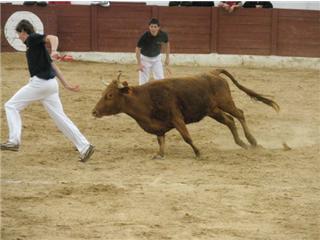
x,y
213,59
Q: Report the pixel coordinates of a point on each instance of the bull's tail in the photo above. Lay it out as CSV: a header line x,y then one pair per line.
x,y
252,94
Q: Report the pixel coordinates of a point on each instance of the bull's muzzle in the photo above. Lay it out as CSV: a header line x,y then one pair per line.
x,y
96,113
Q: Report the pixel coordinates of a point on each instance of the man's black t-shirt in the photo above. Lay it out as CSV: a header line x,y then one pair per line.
x,y
151,45
39,60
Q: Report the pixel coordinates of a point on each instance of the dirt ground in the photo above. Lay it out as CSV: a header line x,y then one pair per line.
x,y
121,193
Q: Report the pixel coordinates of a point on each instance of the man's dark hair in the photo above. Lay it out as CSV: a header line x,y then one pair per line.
x,y
26,26
154,21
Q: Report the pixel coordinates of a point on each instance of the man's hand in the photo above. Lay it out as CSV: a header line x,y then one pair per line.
x,y
74,88
140,67
168,71
54,55
167,62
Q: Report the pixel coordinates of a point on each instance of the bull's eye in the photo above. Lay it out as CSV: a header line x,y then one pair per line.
x,y
108,96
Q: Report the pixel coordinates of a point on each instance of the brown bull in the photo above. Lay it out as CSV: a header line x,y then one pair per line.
x,y
159,106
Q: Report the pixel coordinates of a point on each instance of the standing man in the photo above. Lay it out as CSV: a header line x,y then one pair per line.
x,y
148,52
43,87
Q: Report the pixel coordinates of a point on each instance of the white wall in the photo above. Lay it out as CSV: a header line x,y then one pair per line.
x,y
212,59
307,5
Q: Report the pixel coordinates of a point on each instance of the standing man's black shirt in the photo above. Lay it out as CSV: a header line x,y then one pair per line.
x,y
150,45
39,60
264,4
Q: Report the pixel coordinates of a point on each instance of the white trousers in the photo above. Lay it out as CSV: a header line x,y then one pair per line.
x,y
153,64
47,92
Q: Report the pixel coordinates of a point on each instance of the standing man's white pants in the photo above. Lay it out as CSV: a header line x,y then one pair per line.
x,y
153,64
46,91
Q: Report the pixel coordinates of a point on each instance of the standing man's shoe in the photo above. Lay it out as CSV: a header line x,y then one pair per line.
x,y
10,146
85,156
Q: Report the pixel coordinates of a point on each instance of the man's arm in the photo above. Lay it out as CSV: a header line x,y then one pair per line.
x,y
54,43
75,88
138,57
167,51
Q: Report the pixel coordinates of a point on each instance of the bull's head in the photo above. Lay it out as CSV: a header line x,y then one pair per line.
x,y
111,100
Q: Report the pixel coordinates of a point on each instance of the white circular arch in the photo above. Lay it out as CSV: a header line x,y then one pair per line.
x,y
10,28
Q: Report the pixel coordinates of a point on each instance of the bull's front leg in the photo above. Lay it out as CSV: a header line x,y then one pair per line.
x,y
180,125
161,142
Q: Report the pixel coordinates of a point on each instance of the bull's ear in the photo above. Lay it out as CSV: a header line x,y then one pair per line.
x,y
123,84
125,90
120,85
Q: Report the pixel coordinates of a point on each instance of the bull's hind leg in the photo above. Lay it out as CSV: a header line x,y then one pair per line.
x,y
238,114
180,125
227,120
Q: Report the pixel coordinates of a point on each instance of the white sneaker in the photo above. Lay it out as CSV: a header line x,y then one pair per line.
x,y
85,156
10,146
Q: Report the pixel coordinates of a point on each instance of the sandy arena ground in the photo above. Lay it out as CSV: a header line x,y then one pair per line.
x,y
121,193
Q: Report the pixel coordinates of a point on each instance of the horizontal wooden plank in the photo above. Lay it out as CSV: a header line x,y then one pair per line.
x,y
299,21
294,41
304,21
186,20
126,17
248,12
181,12
178,48
75,47
245,20
285,49
298,27
68,25
289,37
117,45
245,43
244,36
192,26
299,13
186,36
305,34
121,32
75,41
192,50
103,25
246,51
142,21
235,29
120,13
179,31
72,11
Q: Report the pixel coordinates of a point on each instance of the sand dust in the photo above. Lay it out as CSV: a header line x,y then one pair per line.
x,y
121,193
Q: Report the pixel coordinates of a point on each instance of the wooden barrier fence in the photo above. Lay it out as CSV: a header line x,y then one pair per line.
x,y
117,28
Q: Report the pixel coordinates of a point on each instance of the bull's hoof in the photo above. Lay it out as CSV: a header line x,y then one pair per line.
x,y
198,155
244,146
258,146
157,157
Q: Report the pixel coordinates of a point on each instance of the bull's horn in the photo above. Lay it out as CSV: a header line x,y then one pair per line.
x,y
104,82
119,74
